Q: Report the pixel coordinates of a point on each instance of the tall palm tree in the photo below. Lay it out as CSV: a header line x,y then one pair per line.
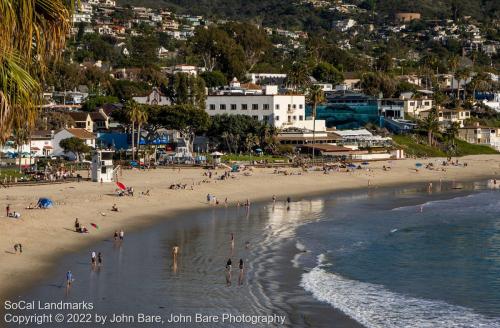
x,y
461,75
133,112
315,96
453,63
142,117
430,124
32,34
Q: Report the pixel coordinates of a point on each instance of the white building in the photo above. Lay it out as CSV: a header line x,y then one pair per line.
x,y
86,136
156,97
258,78
281,111
102,166
417,105
344,25
481,135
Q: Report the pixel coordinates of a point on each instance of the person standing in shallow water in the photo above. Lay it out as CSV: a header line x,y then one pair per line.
x,y
228,272
240,278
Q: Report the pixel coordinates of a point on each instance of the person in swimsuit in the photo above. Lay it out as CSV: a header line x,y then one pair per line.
x,y
99,258
175,251
240,278
69,278
115,235
228,272
77,226
93,258
121,234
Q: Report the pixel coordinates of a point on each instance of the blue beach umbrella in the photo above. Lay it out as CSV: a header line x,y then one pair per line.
x,y
365,163
45,203
418,164
351,165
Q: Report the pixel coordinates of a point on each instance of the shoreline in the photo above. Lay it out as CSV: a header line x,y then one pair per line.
x,y
165,204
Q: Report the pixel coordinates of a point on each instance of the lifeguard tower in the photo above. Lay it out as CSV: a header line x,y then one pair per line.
x,y
102,166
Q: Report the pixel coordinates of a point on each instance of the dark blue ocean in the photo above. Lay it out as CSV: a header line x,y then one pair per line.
x,y
379,257
407,259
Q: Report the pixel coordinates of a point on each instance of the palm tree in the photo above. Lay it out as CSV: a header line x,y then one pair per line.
x,y
142,117
133,110
298,76
453,63
461,75
315,96
430,124
32,34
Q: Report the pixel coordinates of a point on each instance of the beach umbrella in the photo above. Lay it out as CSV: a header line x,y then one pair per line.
x,y
258,150
121,185
216,153
45,203
351,165
365,163
94,225
418,164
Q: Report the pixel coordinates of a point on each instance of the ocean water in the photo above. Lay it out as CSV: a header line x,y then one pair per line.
x,y
393,257
430,263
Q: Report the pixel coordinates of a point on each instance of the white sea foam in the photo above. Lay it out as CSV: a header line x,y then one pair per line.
x,y
375,306
301,247
479,196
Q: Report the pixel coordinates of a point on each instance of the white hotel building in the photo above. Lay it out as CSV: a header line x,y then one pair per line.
x,y
281,111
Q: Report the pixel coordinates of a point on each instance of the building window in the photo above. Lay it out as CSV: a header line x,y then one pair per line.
x,y
426,103
212,107
244,106
294,117
255,117
289,118
265,118
255,106
277,106
294,106
265,106
277,118
301,106
222,106
301,118
412,103
233,106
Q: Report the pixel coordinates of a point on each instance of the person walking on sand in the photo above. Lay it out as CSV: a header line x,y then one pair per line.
x,y
7,210
240,277
228,272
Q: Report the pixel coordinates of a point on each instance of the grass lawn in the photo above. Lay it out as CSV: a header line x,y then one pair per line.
x,y
246,158
465,148
10,172
413,148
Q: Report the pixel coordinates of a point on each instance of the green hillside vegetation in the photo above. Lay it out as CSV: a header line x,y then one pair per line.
x,y
414,148
293,15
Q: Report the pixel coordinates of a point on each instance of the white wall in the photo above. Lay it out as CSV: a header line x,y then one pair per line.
x,y
281,110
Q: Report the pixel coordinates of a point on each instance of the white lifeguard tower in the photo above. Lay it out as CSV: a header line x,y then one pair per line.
x,y
102,166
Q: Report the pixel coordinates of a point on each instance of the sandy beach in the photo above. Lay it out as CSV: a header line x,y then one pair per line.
x,y
47,234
